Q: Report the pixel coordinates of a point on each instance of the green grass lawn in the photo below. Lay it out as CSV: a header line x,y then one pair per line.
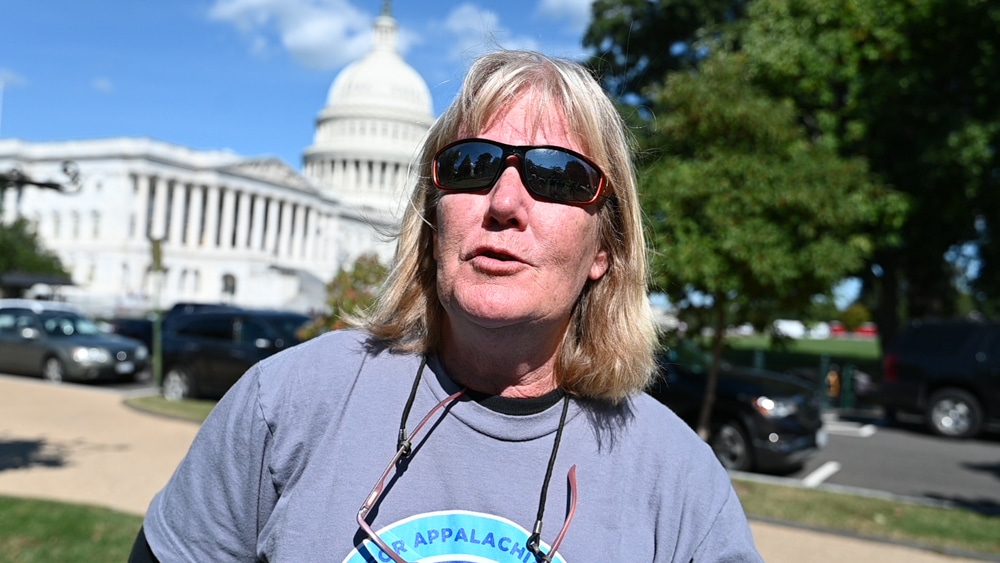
x,y
44,531
37,531
929,526
862,349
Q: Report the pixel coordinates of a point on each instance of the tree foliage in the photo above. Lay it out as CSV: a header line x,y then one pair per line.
x,y
750,218
22,251
910,85
349,294
637,42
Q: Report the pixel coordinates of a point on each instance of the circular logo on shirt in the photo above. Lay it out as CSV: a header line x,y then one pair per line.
x,y
454,536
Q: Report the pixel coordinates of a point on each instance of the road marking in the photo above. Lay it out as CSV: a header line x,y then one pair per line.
x,y
855,429
822,473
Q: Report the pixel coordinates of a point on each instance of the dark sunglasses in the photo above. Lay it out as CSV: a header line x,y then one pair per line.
x,y
549,172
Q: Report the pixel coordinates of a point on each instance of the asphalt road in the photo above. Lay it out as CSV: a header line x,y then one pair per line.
x,y
904,459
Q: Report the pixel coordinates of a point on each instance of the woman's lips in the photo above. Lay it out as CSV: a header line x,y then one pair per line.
x,y
496,261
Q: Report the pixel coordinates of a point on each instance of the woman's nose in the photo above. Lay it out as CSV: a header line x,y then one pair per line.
x,y
509,198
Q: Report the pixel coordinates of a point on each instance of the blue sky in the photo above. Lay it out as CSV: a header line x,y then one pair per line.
x,y
244,75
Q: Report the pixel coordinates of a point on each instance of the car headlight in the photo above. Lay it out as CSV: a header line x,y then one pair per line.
x,y
141,353
776,408
83,355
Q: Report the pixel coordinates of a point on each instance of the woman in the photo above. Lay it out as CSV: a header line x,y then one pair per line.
x,y
516,318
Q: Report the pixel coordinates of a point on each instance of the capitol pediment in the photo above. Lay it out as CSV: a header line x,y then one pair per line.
x,y
270,170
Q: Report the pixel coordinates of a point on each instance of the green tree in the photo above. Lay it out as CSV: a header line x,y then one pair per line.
x,y
750,218
855,315
21,251
349,294
637,42
911,86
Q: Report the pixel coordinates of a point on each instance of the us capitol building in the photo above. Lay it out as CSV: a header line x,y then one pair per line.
x,y
248,231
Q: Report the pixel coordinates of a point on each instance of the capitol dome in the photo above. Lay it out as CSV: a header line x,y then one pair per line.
x,y
382,79
377,112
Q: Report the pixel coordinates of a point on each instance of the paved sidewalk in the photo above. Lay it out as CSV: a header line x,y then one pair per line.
x,y
82,444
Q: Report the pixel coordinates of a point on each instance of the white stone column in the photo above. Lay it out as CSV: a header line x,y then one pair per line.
x,y
211,218
309,239
381,176
194,231
228,219
257,224
243,219
158,226
271,236
285,234
350,176
140,206
178,214
298,233
338,175
9,205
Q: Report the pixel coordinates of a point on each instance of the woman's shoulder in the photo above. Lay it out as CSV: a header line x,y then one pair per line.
x,y
654,423
324,369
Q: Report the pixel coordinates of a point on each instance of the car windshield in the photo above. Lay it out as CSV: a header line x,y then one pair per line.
x,y
61,324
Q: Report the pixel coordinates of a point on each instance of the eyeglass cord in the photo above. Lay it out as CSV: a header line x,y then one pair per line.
x,y
536,532
534,540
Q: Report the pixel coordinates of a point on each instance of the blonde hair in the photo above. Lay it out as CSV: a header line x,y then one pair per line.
x,y
607,352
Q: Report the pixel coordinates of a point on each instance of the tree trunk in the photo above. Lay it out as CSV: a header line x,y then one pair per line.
x,y
718,340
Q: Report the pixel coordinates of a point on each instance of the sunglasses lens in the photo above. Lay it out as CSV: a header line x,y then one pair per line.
x,y
561,176
468,166
549,172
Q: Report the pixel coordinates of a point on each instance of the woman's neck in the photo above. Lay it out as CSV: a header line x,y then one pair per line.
x,y
509,363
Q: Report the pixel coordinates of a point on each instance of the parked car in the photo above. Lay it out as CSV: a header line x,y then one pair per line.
x,y
140,329
761,420
205,353
180,309
57,342
948,372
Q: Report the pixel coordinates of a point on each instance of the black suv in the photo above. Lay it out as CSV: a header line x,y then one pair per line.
x,y
762,420
204,353
947,371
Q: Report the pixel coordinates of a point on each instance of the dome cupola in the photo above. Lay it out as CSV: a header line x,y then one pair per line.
x,y
377,112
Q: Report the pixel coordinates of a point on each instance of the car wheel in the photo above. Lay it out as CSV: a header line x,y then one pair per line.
x,y
176,384
954,413
732,446
53,370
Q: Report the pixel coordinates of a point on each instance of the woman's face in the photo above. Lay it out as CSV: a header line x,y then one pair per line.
x,y
505,258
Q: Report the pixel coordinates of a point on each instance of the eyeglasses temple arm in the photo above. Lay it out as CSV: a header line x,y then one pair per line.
x,y
571,477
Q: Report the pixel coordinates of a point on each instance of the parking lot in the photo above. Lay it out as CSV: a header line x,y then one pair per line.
x,y
904,459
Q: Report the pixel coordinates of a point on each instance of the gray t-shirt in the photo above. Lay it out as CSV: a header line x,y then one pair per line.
x,y
280,468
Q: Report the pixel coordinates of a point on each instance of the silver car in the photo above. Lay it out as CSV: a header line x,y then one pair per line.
x,y
57,342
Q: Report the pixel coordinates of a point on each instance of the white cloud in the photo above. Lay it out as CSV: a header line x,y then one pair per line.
x,y
576,13
102,84
321,34
478,31
11,78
